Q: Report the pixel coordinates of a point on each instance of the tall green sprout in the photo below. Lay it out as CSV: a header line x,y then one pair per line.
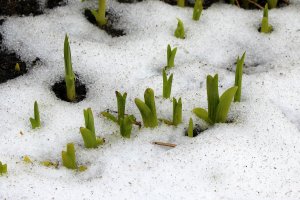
x,y
218,107
100,13
181,3
69,157
170,56
148,109
177,111
179,32
198,7
36,121
3,168
167,85
265,26
272,3
69,74
190,131
238,77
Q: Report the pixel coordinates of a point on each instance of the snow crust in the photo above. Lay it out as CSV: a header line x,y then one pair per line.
x,y
255,157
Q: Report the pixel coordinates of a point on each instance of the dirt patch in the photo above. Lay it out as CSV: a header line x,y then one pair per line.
x,y
59,88
129,1
109,27
55,3
256,4
197,130
191,3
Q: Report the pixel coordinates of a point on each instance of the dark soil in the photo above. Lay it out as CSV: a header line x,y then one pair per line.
x,y
59,88
129,1
108,28
191,3
249,5
55,3
197,130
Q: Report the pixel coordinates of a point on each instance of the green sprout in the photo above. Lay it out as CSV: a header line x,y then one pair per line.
x,y
126,126
179,32
218,107
35,122
238,77
170,56
265,26
68,157
148,109
100,13
88,133
191,128
181,3
197,10
17,67
121,102
3,168
272,3
167,85
69,74
177,111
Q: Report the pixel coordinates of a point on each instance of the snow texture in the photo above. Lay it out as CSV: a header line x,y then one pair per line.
x,y
255,157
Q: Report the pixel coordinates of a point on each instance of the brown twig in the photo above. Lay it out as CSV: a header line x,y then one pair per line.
x,y
165,144
237,3
256,4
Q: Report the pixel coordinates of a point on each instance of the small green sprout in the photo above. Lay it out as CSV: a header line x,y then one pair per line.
x,y
27,160
36,122
197,10
218,107
121,102
69,74
88,133
170,56
181,3
167,85
126,126
238,77
148,109
3,168
272,3
17,67
179,32
100,13
191,128
265,26
68,157
177,111
48,163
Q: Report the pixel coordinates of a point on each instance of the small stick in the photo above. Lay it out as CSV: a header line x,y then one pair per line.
x,y
256,4
237,3
165,144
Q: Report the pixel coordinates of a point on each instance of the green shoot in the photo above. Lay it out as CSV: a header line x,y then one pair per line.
x,y
181,3
148,109
218,107
69,158
126,126
272,3
36,122
170,56
17,67
238,77
265,26
3,168
197,10
167,85
121,101
69,74
88,133
191,128
27,160
100,13
179,32
177,111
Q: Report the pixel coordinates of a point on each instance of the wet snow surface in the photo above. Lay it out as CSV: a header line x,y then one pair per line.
x,y
255,157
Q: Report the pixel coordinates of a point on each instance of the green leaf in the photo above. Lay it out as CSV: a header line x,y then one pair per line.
x,y
170,56
177,111
203,114
191,128
197,10
145,112
167,85
212,96
126,126
272,3
224,105
35,122
121,101
109,116
69,74
181,3
69,158
89,138
89,120
238,78
179,32
3,168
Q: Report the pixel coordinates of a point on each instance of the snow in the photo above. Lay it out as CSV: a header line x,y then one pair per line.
x,y
255,157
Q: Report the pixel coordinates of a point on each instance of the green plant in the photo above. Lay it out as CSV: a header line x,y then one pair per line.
x,y
126,126
167,85
197,10
69,74
3,168
68,157
177,111
17,67
190,131
272,3
181,3
35,122
170,56
218,107
238,77
100,13
179,32
148,109
88,133
265,26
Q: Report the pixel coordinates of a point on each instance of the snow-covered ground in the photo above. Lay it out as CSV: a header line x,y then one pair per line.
x,y
255,157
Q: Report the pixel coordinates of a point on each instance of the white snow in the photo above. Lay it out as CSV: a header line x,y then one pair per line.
x,y
255,157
